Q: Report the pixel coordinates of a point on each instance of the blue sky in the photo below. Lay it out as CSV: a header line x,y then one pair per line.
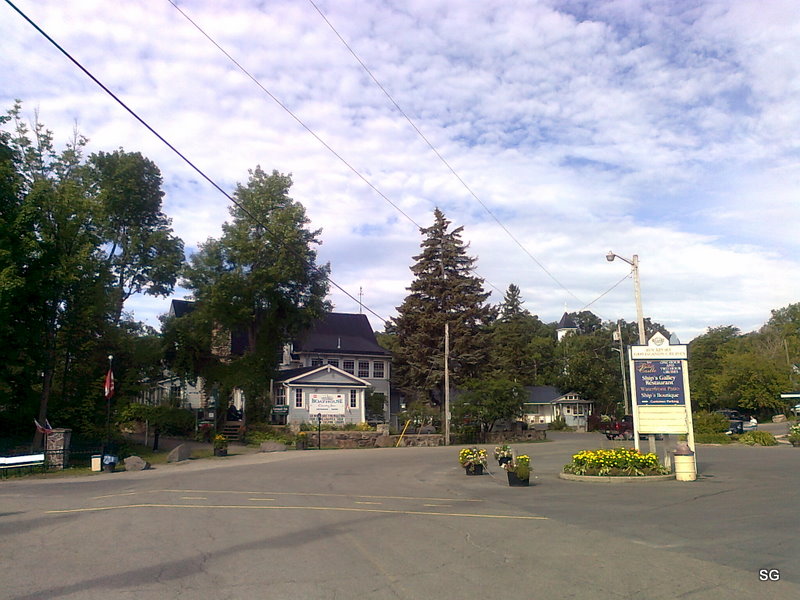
x,y
664,129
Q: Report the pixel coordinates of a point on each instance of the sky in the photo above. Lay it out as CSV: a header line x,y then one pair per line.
x,y
554,132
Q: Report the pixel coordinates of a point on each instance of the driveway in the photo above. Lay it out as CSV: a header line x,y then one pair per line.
x,y
405,523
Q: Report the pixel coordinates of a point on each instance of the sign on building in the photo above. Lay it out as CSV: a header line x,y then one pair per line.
x,y
326,404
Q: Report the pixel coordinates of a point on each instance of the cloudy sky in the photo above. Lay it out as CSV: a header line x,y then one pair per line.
x,y
667,129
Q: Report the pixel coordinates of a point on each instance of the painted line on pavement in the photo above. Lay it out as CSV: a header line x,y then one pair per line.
x,y
312,508
320,495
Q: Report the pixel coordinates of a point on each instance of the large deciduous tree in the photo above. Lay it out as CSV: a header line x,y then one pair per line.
x,y
260,280
142,254
57,321
444,290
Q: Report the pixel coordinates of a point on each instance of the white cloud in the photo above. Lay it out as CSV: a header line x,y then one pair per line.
x,y
665,130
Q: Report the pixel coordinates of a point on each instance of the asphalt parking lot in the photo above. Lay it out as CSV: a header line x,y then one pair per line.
x,y
405,523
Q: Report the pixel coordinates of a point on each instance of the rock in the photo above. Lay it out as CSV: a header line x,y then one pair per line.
x,y
179,453
346,443
382,428
135,463
272,447
384,441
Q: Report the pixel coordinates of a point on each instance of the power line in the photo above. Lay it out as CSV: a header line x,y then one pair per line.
x,y
176,151
306,127
439,155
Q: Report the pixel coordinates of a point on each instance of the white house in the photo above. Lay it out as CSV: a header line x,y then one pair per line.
x,y
545,403
324,392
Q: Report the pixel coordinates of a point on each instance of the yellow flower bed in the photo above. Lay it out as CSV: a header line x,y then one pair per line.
x,y
617,461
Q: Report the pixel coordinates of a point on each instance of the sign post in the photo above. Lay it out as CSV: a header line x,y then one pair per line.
x,y
660,384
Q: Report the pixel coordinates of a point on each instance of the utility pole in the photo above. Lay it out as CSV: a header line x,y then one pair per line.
x,y
360,295
447,384
622,369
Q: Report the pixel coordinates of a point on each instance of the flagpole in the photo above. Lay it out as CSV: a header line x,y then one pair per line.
x,y
109,391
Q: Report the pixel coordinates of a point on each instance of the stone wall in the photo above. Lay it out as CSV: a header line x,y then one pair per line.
x,y
371,439
505,437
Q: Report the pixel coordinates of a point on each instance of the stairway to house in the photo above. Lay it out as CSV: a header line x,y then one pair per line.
x,y
232,431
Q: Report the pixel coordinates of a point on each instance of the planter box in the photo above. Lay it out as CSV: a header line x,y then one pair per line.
x,y
515,481
474,470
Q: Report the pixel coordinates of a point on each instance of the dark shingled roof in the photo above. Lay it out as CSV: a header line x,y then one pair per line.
x,y
181,307
291,373
541,394
341,333
566,322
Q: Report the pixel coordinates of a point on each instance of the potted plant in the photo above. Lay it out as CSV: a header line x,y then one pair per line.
x,y
220,445
503,454
519,470
794,435
473,460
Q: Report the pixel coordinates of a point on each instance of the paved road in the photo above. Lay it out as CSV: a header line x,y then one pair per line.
x,y
404,523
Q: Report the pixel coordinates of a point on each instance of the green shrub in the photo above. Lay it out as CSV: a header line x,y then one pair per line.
x,y
758,438
712,438
558,424
704,421
169,420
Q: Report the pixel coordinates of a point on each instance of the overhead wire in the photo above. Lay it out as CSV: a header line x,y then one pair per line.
x,y
306,127
439,155
178,152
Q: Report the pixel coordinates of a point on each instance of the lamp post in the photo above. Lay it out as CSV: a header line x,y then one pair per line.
x,y
634,262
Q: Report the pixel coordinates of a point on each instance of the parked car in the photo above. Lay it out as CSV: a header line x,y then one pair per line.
x,y
735,420
619,428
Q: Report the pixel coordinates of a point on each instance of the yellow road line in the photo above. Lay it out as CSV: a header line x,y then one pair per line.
x,y
193,498
317,508
321,495
368,502
260,499
115,495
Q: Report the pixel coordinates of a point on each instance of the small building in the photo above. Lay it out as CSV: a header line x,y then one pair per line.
x,y
545,403
345,341
565,326
325,392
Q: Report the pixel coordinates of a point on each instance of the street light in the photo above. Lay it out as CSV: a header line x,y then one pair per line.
x,y
636,290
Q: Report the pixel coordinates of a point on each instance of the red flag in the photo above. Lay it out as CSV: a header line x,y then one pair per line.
x,y
109,385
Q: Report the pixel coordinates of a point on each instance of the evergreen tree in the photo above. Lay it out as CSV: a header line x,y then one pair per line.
x,y
444,290
520,342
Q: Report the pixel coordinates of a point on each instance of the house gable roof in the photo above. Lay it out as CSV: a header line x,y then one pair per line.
x,y
322,375
566,322
340,333
548,394
179,308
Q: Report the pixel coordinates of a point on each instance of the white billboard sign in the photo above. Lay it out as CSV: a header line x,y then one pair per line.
x,y
326,404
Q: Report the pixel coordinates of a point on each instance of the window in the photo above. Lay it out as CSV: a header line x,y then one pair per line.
x,y
333,361
298,398
316,362
280,396
363,368
377,369
353,398
349,366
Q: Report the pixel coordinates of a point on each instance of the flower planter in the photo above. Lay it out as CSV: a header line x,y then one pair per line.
x,y
515,481
474,469
220,452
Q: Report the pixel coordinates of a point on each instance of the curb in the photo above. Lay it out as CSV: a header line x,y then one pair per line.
x,y
611,479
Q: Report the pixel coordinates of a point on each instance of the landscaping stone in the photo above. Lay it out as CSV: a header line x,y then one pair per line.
x,y
135,463
384,441
179,453
272,447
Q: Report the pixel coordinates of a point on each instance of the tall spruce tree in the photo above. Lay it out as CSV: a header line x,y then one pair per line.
x,y
517,341
444,290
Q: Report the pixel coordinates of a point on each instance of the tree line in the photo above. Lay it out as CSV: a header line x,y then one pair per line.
x,y
495,351
79,235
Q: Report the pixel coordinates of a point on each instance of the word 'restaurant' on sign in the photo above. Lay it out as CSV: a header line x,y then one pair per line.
x,y
659,382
